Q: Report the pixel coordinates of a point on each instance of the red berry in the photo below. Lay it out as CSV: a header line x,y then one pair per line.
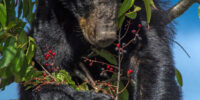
x,y
108,66
52,80
118,45
53,54
50,51
90,64
111,69
44,75
47,64
130,71
139,25
133,31
47,56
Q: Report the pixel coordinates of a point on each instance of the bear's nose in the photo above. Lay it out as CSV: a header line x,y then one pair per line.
x,y
105,33
105,38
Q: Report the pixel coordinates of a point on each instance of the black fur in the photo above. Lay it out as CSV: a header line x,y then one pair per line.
x,y
151,59
61,92
57,27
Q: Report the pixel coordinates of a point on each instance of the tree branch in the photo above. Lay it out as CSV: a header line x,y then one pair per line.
x,y
87,74
179,9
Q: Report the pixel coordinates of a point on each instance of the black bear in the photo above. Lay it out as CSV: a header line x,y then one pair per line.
x,y
69,27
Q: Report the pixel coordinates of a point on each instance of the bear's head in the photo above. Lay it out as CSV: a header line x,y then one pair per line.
x,y
97,19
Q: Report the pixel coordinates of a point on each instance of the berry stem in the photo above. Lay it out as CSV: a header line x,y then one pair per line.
x,y
47,72
119,67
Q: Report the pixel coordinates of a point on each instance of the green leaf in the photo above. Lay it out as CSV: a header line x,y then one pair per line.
x,y
131,15
148,10
4,83
137,8
9,53
83,87
126,5
124,95
25,8
11,14
106,55
2,72
179,77
17,61
20,8
11,25
22,40
28,87
199,11
3,15
18,28
66,77
1,33
30,16
152,4
59,77
120,22
31,49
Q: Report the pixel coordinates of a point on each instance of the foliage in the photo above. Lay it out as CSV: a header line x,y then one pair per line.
x,y
106,55
127,10
43,78
16,47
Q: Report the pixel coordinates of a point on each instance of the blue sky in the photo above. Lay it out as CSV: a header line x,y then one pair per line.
x,y
188,35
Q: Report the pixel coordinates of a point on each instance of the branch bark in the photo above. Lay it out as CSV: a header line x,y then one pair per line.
x,y
179,9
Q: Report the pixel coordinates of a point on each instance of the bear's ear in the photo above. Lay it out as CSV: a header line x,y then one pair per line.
x,y
97,19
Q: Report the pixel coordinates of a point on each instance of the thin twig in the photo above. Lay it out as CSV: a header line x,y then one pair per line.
x,y
119,67
180,47
129,22
47,72
79,74
132,39
103,63
125,87
87,74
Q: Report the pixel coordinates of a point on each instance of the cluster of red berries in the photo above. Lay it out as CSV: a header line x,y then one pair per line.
x,y
109,67
49,55
133,30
